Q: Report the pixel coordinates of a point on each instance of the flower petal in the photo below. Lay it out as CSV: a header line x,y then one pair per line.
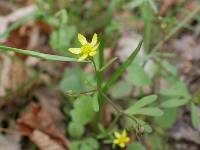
x,y
82,39
75,50
127,139
94,40
92,53
95,47
124,134
117,135
116,141
82,57
122,145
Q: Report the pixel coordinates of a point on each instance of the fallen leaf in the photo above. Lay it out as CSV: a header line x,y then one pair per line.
x,y
12,74
14,16
187,46
166,5
37,122
186,133
46,143
49,100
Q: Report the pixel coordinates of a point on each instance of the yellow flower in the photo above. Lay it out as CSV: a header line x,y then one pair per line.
x,y
121,139
87,49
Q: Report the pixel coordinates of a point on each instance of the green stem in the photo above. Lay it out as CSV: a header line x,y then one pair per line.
x,y
119,110
98,89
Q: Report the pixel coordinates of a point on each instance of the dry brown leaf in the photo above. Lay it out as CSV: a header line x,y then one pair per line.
x,y
10,142
186,133
14,16
188,47
49,101
37,119
46,143
165,6
12,74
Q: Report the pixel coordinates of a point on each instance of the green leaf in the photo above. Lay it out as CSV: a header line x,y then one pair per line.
x,y
133,4
75,130
92,143
178,90
85,144
95,103
137,76
108,64
62,15
83,111
132,124
168,118
37,54
135,146
61,41
194,115
170,68
156,142
75,145
147,127
120,90
122,68
149,111
74,80
142,102
176,102
153,6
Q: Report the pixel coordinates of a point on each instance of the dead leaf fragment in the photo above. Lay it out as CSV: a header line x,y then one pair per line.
x,y
188,47
10,142
46,143
12,74
186,133
37,122
165,6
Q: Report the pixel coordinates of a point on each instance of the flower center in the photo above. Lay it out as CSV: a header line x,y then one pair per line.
x,y
86,48
122,140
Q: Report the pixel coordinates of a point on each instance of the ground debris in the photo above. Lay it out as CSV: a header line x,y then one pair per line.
x,y
37,123
10,142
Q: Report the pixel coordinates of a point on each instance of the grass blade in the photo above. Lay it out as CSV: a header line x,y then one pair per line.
x,y
108,64
122,68
37,54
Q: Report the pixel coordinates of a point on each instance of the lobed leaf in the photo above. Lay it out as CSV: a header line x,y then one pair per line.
x,y
137,76
176,102
142,102
148,111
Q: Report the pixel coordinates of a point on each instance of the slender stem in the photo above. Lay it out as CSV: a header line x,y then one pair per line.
x,y
114,122
98,82
119,110
82,93
98,90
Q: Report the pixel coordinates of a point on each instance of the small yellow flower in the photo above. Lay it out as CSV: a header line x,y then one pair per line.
x,y
121,139
87,49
